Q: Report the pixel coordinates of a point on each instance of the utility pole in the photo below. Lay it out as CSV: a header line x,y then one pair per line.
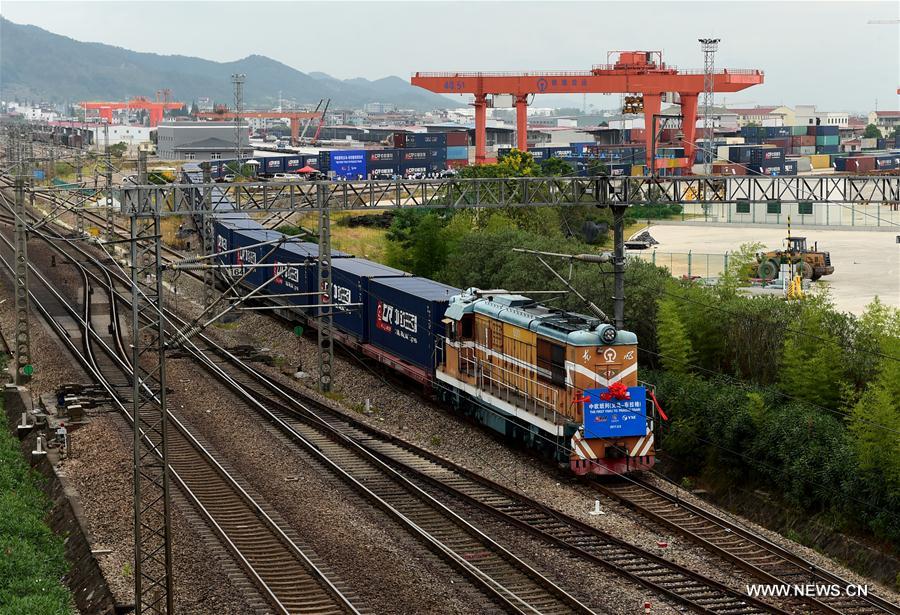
x,y
238,80
326,292
110,215
152,507
24,368
619,265
709,45
207,235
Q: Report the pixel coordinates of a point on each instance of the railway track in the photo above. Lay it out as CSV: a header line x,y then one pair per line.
x,y
752,553
765,560
509,581
290,577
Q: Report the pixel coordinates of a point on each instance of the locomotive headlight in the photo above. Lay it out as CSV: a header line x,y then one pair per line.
x,y
608,334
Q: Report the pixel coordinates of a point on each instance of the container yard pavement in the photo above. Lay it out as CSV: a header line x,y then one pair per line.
x,y
866,263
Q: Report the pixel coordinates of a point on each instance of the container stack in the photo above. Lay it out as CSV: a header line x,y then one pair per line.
x,y
828,139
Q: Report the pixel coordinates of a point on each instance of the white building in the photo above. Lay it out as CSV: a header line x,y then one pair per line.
x,y
807,115
132,136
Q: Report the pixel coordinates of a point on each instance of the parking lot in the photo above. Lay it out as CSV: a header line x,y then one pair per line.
x,y
866,263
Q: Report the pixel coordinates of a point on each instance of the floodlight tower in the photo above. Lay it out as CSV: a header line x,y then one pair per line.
x,y
238,80
709,46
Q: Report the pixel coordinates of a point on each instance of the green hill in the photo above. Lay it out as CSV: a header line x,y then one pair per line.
x,y
38,65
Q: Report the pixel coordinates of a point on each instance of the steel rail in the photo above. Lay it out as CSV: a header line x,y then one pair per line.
x,y
288,598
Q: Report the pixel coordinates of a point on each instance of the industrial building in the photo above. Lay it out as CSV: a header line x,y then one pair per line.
x,y
199,140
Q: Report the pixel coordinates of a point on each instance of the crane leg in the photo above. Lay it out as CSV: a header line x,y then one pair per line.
x,y
295,131
522,123
652,106
689,125
480,128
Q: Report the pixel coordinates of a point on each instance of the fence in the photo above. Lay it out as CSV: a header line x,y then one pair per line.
x,y
689,264
865,215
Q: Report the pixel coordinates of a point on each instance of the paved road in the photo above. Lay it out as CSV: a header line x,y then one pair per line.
x,y
867,263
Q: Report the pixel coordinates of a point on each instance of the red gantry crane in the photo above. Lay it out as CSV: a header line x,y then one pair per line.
x,y
223,113
639,72
156,108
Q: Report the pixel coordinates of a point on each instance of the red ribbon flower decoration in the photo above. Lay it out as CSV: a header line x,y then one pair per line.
x,y
617,390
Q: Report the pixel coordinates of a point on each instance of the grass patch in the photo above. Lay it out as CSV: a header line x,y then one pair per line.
x,y
32,561
334,396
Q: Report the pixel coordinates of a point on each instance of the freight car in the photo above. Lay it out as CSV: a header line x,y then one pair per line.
x,y
561,383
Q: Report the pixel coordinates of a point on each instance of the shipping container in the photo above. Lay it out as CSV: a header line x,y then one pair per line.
x,y
777,131
350,284
405,317
457,138
456,164
296,271
399,139
820,161
766,155
348,164
271,165
728,168
798,130
883,163
375,158
790,167
766,169
828,140
457,152
426,139
247,256
827,149
562,152
855,164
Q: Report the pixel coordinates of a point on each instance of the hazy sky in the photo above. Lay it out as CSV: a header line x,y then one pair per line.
x,y
821,53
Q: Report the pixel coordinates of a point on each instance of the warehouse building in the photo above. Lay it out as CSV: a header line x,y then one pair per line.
x,y
199,140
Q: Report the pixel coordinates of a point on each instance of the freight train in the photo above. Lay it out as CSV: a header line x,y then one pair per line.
x,y
561,383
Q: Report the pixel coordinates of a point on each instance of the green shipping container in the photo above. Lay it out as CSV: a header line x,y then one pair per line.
x,y
828,140
798,131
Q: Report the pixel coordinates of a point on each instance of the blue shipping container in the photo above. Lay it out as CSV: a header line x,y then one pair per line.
x,y
296,265
242,240
292,163
348,164
458,152
350,284
269,166
426,139
790,167
405,316
379,157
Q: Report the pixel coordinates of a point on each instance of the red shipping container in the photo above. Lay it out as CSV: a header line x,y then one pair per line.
x,y
457,137
455,164
638,135
860,164
806,141
729,169
400,139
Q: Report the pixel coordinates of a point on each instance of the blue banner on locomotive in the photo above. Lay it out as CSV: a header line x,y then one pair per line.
x,y
543,377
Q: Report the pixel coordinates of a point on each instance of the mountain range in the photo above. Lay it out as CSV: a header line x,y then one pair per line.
x,y
41,66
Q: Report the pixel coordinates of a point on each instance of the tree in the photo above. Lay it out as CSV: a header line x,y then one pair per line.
x,y
872,132
676,352
194,108
556,167
117,150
